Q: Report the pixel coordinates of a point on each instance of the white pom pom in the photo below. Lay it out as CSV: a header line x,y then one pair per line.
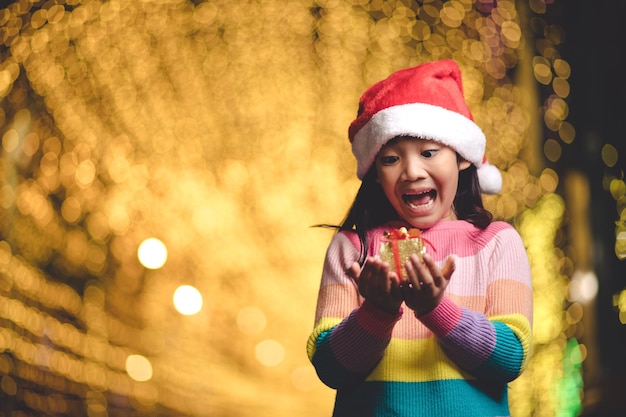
x,y
490,179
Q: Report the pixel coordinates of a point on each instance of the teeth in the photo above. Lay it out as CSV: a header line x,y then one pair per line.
x,y
418,199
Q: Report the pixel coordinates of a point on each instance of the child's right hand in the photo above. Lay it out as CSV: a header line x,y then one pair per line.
x,y
426,283
378,284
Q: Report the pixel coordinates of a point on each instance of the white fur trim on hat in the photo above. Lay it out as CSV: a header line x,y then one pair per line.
x,y
419,120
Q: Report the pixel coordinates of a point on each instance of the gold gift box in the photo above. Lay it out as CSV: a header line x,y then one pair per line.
x,y
398,245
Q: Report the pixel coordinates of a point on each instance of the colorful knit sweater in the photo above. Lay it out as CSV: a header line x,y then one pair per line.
x,y
454,361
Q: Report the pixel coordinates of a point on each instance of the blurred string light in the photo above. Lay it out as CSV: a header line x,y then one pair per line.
x,y
152,253
187,300
270,352
617,188
614,183
220,127
583,286
570,389
620,302
138,368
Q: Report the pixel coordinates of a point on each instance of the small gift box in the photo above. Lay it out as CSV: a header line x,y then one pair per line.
x,y
397,245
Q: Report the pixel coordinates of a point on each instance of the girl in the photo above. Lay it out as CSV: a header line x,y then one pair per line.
x,y
446,339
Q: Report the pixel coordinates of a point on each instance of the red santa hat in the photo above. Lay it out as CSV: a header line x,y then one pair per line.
x,y
425,101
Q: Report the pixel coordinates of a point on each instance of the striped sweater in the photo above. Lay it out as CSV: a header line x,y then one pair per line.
x,y
455,360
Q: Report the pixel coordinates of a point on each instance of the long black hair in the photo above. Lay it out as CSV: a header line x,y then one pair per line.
x,y
371,208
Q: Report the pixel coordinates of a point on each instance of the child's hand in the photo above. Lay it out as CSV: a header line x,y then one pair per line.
x,y
377,284
426,283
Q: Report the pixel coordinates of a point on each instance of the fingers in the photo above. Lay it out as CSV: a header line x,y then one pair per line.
x,y
449,268
434,273
374,273
415,272
423,273
374,277
378,284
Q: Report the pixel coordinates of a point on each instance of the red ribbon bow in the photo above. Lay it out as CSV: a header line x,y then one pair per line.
x,y
394,235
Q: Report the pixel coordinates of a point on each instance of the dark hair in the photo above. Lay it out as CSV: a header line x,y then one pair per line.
x,y
371,208
468,201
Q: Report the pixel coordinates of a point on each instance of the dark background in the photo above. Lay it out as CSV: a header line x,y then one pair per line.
x,y
595,48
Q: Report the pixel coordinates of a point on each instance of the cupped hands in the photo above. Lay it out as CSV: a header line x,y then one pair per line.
x,y
422,290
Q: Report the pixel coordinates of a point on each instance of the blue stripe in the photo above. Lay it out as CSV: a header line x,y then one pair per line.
x,y
505,362
445,398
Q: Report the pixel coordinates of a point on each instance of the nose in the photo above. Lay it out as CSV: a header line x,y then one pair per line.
x,y
413,169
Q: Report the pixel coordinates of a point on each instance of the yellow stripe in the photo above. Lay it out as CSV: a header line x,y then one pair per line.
x,y
415,361
321,326
422,359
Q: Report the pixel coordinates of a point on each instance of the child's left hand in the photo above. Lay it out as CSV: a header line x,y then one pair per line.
x,y
377,284
425,283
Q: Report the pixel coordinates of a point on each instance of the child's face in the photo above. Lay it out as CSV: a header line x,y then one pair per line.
x,y
420,179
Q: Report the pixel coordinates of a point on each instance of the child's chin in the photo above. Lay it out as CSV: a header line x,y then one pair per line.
x,y
420,223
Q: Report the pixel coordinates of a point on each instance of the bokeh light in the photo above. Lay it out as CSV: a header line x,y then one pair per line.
x,y
152,253
583,286
187,300
138,368
269,352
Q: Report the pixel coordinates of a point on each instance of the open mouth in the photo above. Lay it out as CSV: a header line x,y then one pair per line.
x,y
419,199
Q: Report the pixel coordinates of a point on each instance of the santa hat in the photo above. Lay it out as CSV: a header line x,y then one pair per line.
x,y
427,102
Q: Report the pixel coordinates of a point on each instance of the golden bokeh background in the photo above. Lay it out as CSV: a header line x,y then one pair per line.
x,y
163,162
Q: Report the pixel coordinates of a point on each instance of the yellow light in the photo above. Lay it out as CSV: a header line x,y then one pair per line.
x,y
269,352
139,368
187,300
583,286
10,140
152,253
552,150
609,155
620,245
617,188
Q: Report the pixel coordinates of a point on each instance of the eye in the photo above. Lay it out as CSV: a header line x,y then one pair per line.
x,y
388,159
429,153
